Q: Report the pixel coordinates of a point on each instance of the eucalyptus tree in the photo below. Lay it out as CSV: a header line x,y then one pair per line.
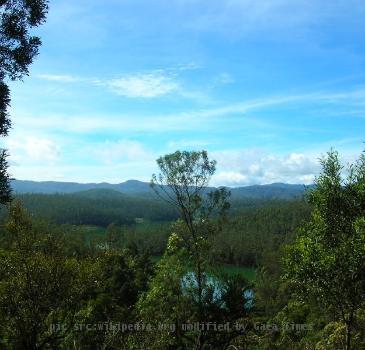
x,y
183,182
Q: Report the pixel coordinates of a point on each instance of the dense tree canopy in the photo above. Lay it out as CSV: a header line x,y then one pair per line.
x,y
327,262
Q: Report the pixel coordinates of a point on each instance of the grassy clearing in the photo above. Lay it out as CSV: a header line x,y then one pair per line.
x,y
93,233
249,273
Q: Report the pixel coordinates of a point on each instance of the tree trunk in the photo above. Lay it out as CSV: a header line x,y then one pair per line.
x,y
200,302
348,331
348,337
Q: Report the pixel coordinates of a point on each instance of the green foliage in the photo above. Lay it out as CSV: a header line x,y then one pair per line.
x,y
165,304
5,190
183,180
50,287
39,285
123,277
18,47
186,176
252,234
326,263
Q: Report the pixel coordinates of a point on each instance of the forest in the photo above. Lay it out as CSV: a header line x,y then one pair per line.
x,y
101,270
252,226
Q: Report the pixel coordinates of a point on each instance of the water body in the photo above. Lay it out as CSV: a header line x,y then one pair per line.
x,y
216,287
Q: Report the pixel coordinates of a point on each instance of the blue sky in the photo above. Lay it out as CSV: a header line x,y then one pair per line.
x,y
266,87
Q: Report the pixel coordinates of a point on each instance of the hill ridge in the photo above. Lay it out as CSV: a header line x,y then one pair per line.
x,y
137,187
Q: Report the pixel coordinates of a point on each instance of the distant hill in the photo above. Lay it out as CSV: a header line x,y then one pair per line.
x,y
101,193
135,187
50,187
272,191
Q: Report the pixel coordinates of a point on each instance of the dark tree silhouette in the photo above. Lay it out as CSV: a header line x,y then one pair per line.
x,y
17,51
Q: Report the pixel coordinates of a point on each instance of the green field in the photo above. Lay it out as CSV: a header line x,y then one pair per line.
x,y
92,233
247,272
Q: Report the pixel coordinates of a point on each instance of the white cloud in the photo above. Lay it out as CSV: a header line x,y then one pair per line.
x,y
230,178
272,18
41,160
32,149
112,173
254,166
150,84
145,85
185,144
225,78
59,78
121,151
187,120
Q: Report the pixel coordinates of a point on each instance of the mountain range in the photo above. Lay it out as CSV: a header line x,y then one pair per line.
x,y
135,187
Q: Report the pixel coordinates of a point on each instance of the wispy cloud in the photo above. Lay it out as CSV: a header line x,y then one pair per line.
x,y
189,119
239,18
145,85
186,144
148,84
59,78
121,151
224,78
